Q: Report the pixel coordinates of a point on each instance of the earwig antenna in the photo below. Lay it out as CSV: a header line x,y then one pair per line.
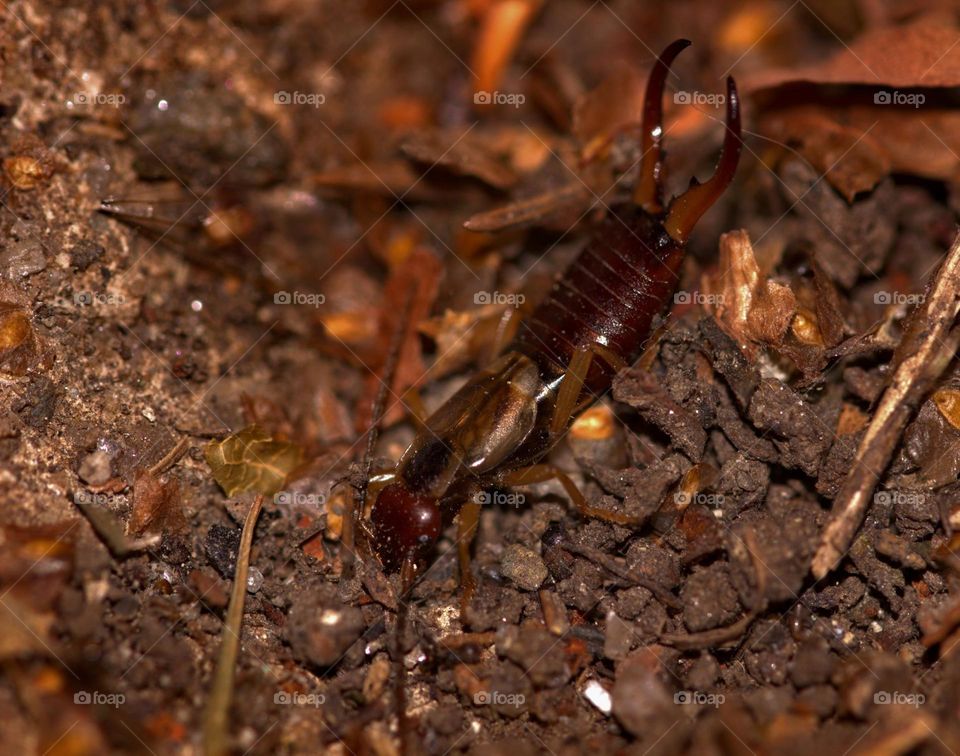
x,y
686,209
388,372
649,190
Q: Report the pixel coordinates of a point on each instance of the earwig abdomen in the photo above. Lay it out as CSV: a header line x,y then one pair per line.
x,y
609,296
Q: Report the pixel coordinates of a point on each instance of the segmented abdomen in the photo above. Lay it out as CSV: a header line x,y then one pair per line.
x,y
610,295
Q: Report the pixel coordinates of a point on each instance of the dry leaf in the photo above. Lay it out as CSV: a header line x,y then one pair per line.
x,y
389,179
617,102
920,54
468,155
252,461
748,306
156,505
885,103
569,199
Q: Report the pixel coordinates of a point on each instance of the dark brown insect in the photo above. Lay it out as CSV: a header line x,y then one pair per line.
x,y
596,320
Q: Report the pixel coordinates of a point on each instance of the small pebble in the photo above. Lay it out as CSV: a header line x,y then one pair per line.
x,y
22,259
254,580
523,566
321,629
95,468
599,696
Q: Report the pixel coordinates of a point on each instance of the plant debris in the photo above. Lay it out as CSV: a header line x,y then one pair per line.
x,y
245,249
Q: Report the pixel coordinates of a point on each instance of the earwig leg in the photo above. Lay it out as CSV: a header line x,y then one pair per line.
x,y
506,330
686,209
570,388
649,190
414,403
542,473
613,359
467,521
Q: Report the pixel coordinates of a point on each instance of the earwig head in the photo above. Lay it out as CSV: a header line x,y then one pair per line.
x,y
685,210
405,524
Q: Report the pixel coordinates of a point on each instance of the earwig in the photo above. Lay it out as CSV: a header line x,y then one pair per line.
x,y
595,321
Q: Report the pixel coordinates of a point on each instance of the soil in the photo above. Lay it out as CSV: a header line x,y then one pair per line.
x,y
212,216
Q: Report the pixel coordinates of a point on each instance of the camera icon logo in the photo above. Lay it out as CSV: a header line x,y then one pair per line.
x,y
282,297
482,98
282,98
882,98
82,697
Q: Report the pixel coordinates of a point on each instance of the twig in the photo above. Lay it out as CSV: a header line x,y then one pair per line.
x,y
221,692
611,565
927,347
170,458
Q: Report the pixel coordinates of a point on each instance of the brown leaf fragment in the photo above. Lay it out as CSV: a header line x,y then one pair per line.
x,y
573,197
750,307
251,460
923,53
948,402
389,179
615,103
156,505
883,104
18,344
465,155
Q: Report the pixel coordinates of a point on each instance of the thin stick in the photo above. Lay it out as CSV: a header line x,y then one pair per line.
x,y
170,458
216,718
926,349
